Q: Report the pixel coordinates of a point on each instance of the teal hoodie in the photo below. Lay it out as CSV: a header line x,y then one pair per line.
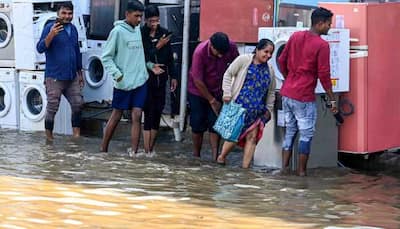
x,y
123,55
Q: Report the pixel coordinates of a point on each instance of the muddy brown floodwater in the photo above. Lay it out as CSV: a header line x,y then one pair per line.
x,y
70,184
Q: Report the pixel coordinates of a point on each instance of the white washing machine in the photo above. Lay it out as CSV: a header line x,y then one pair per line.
x,y
33,102
9,99
28,30
85,6
98,84
7,49
280,36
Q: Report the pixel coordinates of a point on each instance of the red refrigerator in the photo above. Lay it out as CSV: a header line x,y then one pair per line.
x,y
374,125
238,18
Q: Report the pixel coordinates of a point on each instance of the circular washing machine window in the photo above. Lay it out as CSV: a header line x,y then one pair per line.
x,y
33,104
5,100
5,30
279,46
95,76
40,20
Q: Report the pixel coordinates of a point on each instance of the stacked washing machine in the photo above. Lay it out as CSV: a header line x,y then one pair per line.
x,y
9,91
22,92
98,84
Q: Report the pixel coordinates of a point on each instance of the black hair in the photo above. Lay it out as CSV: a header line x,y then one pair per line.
x,y
220,42
134,5
151,11
263,43
66,5
320,15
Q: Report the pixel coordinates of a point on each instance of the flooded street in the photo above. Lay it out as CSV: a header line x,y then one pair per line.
x,y
70,184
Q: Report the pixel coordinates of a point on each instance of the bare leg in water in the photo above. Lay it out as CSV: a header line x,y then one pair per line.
x,y
197,139
214,142
149,139
135,129
302,170
110,128
76,132
286,156
249,148
227,147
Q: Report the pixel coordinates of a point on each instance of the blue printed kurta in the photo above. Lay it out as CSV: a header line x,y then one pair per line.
x,y
254,92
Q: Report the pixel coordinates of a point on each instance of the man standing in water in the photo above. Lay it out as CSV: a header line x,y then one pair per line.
x,y
157,48
210,61
304,60
59,41
123,59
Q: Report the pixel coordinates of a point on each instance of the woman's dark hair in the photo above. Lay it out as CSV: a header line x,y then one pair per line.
x,y
263,43
151,11
134,5
66,5
220,42
320,15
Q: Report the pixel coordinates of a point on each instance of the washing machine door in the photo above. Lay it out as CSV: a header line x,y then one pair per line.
x,y
41,20
34,103
5,30
5,100
95,76
279,46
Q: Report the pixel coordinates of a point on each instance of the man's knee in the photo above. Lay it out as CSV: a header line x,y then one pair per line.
x,y
136,114
76,104
305,140
53,104
306,134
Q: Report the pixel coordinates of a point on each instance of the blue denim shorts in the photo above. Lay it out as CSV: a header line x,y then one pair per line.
x,y
299,116
126,100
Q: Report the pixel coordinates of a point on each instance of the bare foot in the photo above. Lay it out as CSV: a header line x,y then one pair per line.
x,y
221,160
302,174
76,132
284,171
49,135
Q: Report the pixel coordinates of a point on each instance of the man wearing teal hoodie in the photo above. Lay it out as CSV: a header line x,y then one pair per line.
x,y
123,59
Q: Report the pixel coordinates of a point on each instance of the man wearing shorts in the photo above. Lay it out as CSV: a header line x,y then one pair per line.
x,y
63,74
124,60
210,61
304,60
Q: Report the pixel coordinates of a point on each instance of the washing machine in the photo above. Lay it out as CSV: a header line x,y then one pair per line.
x,y
9,99
85,7
28,29
98,84
33,102
280,37
7,49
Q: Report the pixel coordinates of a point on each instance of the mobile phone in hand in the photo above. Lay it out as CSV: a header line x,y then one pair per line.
x,y
169,33
60,21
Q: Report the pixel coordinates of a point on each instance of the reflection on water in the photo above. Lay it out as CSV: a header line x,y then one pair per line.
x,y
70,184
